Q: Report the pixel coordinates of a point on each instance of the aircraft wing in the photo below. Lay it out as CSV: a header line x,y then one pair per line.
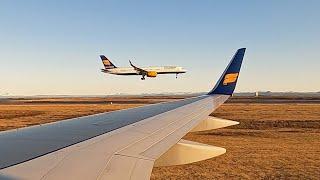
x,y
123,144
139,70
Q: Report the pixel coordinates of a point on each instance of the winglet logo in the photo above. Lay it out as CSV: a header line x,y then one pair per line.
x,y
230,78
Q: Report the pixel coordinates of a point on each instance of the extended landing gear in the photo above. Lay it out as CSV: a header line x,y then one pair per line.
x,y
177,75
143,77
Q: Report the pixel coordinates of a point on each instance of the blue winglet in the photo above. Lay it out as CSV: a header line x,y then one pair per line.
x,y
228,80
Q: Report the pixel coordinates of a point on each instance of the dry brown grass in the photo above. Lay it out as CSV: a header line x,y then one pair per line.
x,y
273,141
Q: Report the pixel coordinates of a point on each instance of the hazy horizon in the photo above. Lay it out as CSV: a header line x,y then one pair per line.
x,y
164,93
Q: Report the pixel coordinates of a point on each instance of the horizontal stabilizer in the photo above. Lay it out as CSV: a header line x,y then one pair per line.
x,y
185,152
213,123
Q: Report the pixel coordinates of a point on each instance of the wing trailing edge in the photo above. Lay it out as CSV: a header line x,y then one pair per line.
x,y
185,152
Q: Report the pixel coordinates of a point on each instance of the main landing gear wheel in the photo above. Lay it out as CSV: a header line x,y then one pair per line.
x,y
143,77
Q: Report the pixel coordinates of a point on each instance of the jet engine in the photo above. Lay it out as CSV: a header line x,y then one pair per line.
x,y
152,74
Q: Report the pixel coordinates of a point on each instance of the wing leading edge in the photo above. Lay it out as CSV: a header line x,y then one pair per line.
x,y
118,145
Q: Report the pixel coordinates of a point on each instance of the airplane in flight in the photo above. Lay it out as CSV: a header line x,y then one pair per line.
x,y
152,71
123,144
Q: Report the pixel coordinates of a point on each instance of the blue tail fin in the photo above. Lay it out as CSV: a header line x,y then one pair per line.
x,y
107,63
228,80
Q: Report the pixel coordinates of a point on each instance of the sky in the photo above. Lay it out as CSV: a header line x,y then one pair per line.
x,y
53,47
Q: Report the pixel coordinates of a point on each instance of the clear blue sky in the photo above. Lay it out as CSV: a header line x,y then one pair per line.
x,y
53,47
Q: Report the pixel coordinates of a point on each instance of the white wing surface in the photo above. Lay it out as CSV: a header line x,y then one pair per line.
x,y
123,144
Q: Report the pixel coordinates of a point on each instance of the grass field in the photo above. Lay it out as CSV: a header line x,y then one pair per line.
x,y
272,141
276,138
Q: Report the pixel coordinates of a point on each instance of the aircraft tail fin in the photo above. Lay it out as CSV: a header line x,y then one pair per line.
x,y
228,80
107,63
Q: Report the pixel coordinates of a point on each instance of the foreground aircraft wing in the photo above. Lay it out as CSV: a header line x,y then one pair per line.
x,y
123,144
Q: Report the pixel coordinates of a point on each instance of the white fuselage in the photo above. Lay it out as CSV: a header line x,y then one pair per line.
x,y
132,71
